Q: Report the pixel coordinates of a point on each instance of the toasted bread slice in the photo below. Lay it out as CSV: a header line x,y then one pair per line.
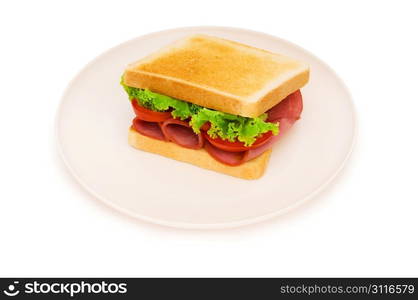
x,y
219,74
252,169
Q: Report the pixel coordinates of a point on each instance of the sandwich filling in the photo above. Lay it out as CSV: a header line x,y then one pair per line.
x,y
222,125
228,138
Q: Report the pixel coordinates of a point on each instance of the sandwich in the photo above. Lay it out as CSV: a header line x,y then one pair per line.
x,y
214,103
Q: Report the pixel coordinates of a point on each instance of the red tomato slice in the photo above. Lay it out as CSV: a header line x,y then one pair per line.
x,y
237,146
149,115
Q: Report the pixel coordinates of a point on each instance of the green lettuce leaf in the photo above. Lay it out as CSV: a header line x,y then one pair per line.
x,y
223,125
231,127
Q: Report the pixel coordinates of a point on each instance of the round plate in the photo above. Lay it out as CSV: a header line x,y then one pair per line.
x,y
92,127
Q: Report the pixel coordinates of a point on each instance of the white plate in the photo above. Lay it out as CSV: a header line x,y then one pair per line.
x,y
95,114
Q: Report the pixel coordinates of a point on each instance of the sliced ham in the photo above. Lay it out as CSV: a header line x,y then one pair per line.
x,y
181,133
150,129
225,157
289,108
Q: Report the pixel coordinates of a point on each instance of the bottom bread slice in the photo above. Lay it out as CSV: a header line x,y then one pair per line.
x,y
252,169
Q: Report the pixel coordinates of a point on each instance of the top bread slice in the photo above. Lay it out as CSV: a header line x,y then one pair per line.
x,y
219,74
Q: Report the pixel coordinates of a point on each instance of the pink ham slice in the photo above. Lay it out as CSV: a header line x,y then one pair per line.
x,y
226,157
289,108
181,133
149,129
286,113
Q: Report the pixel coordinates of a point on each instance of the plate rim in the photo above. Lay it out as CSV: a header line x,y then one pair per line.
x,y
204,226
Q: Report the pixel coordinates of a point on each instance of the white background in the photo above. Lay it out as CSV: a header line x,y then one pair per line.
x,y
364,225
